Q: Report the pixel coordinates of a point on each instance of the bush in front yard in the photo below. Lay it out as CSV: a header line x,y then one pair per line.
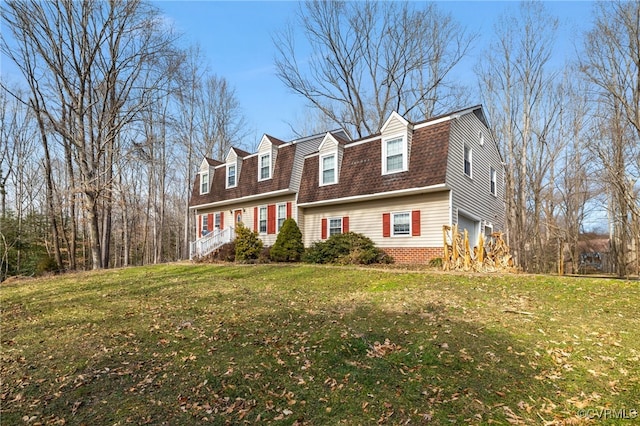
x,y
346,249
248,245
288,246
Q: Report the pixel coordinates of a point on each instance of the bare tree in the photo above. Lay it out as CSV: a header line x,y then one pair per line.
x,y
371,58
210,122
91,66
516,85
222,122
611,64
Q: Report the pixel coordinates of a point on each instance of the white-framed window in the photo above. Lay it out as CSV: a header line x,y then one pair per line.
x,y
488,230
231,176
262,220
335,226
204,183
394,155
205,224
468,157
328,169
264,166
480,138
217,220
494,182
401,224
281,215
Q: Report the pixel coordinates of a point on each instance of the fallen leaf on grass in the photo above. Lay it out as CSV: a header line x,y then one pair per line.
x,y
379,350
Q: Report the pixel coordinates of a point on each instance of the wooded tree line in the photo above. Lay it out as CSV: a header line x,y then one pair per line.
x,y
101,141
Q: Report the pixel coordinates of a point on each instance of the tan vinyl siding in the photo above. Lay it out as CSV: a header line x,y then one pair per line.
x,y
249,211
365,217
473,195
394,127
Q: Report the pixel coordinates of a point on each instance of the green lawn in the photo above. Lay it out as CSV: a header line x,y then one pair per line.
x,y
197,344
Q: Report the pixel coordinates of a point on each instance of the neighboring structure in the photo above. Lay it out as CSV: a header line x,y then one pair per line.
x,y
397,187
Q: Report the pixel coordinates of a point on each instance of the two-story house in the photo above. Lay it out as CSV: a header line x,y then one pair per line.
x,y
398,187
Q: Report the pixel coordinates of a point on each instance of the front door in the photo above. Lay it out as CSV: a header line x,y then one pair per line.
x,y
237,216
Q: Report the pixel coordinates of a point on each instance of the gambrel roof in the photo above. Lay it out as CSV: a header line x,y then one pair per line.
x,y
248,183
361,170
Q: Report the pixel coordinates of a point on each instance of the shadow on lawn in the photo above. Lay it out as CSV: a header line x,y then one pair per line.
x,y
302,360
361,364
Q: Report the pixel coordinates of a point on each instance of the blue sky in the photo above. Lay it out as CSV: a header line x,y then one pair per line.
x,y
236,38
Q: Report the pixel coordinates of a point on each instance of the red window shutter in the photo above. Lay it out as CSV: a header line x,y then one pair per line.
x,y
199,226
221,220
210,222
324,229
386,224
271,219
288,209
255,219
345,224
415,223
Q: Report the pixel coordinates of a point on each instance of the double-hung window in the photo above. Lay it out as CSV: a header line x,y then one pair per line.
x,y
282,215
335,226
262,220
217,220
265,167
205,224
494,181
204,183
468,156
231,175
401,224
328,169
394,153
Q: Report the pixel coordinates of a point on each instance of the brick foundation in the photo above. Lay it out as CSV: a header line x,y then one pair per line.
x,y
414,254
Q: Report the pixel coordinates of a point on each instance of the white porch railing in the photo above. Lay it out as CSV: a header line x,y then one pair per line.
x,y
205,245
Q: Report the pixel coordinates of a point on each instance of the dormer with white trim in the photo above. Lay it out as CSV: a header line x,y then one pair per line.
x,y
233,167
206,171
267,154
330,153
395,135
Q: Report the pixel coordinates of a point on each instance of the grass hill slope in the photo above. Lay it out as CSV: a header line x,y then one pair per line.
x,y
210,344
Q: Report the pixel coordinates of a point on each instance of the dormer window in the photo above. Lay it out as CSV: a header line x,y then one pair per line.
x,y
204,183
394,155
231,175
264,166
328,169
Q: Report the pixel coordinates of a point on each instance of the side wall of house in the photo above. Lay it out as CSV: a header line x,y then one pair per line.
x,y
303,149
367,217
471,196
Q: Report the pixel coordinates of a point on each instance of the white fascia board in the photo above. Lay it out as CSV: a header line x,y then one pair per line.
x,y
431,123
247,198
313,154
379,195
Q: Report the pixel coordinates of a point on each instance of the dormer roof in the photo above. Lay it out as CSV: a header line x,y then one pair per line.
x,y
267,139
213,163
239,153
